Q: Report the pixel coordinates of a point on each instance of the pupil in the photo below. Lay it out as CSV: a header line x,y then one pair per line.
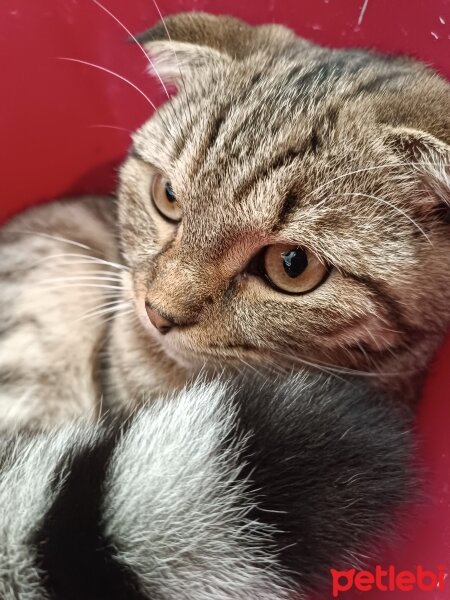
x,y
169,193
294,262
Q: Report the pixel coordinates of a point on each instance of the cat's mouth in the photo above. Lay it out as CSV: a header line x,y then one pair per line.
x,y
187,354
178,345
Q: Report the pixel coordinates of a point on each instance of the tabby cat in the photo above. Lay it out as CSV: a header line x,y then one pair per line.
x,y
287,210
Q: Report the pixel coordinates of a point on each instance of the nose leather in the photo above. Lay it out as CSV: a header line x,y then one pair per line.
x,y
162,323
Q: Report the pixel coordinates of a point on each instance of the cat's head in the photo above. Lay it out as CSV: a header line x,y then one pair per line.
x,y
289,205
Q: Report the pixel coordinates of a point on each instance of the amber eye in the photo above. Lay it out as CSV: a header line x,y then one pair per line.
x,y
164,199
292,269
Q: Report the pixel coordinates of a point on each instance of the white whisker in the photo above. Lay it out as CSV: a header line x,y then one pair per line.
x,y
50,237
141,48
84,285
98,312
335,372
396,208
373,168
363,10
249,366
105,70
333,369
81,279
89,296
115,302
87,259
130,311
115,127
174,53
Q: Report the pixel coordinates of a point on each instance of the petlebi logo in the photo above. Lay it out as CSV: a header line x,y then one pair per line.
x,y
388,579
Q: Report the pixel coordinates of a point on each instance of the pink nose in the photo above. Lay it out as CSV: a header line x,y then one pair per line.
x,y
162,324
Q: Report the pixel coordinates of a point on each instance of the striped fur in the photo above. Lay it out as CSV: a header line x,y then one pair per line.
x,y
225,491
272,140
276,140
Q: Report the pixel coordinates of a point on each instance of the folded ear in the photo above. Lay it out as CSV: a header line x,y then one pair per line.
x,y
430,158
182,44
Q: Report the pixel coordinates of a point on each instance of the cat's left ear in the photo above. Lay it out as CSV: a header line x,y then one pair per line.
x,y
429,157
183,45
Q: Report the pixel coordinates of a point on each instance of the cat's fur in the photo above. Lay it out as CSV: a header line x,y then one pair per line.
x,y
270,140
224,492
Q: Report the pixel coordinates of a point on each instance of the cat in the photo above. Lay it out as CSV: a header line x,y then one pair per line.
x,y
286,210
225,491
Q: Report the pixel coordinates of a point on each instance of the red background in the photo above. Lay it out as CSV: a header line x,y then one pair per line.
x,y
65,126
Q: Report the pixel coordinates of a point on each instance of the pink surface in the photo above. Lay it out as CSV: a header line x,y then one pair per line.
x,y
64,126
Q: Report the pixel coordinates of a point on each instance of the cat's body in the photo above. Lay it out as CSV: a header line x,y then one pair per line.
x,y
225,492
50,350
288,209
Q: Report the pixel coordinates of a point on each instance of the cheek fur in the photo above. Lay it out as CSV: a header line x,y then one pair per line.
x,y
143,232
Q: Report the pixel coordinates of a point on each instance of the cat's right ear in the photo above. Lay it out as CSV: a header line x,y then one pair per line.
x,y
430,159
182,45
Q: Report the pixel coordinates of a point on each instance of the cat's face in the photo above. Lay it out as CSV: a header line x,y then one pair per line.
x,y
269,215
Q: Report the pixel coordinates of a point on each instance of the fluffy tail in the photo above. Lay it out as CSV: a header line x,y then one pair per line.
x,y
226,491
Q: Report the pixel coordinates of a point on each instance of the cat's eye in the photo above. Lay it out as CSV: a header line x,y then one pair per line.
x,y
292,269
164,199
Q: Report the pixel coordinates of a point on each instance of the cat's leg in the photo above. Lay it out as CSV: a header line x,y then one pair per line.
x,y
57,273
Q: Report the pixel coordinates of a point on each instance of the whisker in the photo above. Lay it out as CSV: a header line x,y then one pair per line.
x,y
99,409
125,80
84,285
116,127
81,279
50,237
370,334
109,303
363,351
373,168
175,55
88,259
113,73
333,369
131,311
334,372
87,295
98,312
396,208
141,48
250,366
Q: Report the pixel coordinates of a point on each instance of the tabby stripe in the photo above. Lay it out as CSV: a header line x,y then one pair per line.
x,y
185,133
280,161
210,137
11,376
373,85
216,125
77,560
324,72
288,207
10,328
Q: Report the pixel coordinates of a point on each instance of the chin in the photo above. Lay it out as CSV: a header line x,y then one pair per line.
x,y
175,348
188,360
